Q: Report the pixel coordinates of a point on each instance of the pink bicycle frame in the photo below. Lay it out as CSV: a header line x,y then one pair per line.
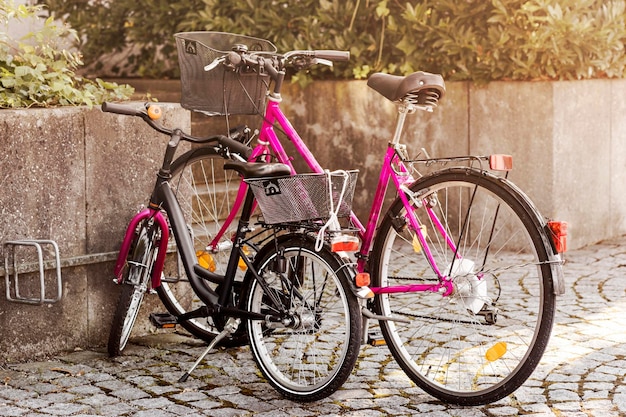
x,y
268,140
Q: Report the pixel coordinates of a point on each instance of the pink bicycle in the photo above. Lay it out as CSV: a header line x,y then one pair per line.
x,y
464,270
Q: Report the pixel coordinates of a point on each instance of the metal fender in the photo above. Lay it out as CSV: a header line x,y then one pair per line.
x,y
157,268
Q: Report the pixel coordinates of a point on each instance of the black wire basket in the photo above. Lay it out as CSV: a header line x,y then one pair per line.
x,y
220,91
304,196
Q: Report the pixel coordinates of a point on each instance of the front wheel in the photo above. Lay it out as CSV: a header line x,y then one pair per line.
x,y
482,340
311,352
134,286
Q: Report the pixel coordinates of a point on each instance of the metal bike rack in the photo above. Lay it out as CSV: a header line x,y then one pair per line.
x,y
12,271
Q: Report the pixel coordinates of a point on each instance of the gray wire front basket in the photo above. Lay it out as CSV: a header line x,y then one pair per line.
x,y
303,197
220,91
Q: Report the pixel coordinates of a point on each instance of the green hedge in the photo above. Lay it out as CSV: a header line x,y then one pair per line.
x,y
37,71
464,40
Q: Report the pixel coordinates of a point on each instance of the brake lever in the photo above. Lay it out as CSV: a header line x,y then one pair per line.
x,y
322,61
215,63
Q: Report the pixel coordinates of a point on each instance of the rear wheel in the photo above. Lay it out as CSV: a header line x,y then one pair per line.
x,y
312,351
483,340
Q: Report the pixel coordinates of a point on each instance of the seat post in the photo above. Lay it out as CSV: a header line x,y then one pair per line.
x,y
403,110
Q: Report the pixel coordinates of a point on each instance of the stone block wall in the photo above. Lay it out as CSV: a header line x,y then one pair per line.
x,y
567,138
75,176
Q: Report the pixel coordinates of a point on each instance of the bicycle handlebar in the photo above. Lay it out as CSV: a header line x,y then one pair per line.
x,y
327,54
273,63
229,146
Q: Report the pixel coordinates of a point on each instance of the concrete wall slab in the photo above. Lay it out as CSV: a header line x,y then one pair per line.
x,y
582,155
75,176
616,194
565,137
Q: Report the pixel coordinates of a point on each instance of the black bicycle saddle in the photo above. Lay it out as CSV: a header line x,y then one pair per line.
x,y
396,87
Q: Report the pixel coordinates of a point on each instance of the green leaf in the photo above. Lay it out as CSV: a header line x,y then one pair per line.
x,y
23,71
381,9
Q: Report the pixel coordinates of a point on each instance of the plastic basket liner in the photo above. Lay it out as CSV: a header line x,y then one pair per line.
x,y
302,197
220,91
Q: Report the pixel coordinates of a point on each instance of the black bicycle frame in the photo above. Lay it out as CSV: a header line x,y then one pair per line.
x,y
164,197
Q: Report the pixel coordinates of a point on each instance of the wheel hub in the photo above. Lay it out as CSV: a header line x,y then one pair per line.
x,y
468,286
305,320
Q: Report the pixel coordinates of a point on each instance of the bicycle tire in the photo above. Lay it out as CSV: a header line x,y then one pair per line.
x,y
205,193
451,347
313,361
134,286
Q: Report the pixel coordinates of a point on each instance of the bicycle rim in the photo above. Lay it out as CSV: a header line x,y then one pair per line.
x,y
206,195
136,297
312,359
481,342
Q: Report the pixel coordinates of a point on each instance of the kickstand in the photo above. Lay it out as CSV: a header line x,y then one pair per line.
x,y
229,328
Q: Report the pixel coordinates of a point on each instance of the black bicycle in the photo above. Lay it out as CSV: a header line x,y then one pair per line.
x,y
293,301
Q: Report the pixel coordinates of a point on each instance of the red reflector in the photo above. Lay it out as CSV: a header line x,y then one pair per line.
x,y
559,235
345,243
501,162
362,279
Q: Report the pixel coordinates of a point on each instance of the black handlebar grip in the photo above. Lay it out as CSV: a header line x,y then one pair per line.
x,y
236,146
120,109
336,56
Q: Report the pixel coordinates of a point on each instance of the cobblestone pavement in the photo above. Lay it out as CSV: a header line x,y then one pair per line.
x,y
581,374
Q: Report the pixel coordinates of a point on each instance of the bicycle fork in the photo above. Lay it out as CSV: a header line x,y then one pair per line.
x,y
122,257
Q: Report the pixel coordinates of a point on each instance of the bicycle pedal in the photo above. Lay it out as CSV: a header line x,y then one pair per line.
x,y
376,339
163,320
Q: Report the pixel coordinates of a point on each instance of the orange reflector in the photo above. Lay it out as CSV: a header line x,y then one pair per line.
x,y
362,279
345,243
417,247
559,235
242,265
501,162
154,112
206,260
169,326
496,351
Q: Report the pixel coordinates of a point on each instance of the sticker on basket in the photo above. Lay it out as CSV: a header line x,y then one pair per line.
x,y
271,187
191,47
257,47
